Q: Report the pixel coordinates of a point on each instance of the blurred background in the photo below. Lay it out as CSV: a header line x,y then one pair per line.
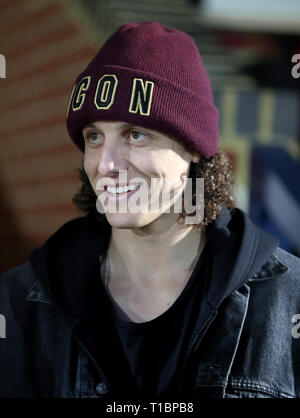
x,y
247,47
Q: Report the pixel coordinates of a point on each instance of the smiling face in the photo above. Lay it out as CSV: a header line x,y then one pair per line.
x,y
142,155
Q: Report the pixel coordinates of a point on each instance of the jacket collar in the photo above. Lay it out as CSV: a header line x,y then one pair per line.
x,y
68,271
239,249
68,266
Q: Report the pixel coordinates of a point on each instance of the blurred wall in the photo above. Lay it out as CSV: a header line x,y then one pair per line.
x,y
45,49
47,43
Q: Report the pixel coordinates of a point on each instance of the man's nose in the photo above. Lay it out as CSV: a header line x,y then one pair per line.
x,y
111,159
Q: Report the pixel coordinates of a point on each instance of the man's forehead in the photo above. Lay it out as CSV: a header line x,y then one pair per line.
x,y
115,123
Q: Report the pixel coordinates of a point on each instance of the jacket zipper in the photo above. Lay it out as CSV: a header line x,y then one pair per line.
x,y
194,347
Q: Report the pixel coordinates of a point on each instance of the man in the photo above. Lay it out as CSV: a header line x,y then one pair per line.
x,y
151,304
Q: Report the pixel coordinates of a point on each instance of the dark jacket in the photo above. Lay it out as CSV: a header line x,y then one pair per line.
x,y
59,343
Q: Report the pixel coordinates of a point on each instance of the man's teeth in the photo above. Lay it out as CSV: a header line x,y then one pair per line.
x,y
125,189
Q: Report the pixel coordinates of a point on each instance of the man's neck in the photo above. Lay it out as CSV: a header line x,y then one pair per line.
x,y
154,259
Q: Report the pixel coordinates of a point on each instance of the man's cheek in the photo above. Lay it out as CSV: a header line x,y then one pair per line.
x,y
90,167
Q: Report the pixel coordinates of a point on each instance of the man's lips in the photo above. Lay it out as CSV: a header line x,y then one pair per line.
x,y
119,195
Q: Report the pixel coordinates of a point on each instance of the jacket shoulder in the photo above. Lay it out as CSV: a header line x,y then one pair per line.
x,y
18,280
278,279
280,263
291,261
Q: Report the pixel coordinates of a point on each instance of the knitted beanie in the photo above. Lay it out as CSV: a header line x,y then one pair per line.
x,y
152,76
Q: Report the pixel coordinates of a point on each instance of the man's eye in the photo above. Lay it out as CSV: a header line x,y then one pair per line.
x,y
93,137
136,136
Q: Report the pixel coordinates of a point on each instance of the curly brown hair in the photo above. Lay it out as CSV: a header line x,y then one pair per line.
x,y
217,173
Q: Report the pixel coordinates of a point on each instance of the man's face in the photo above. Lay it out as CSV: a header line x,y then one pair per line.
x,y
147,159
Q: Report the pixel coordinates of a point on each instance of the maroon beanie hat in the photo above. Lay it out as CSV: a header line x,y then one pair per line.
x,y
149,75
